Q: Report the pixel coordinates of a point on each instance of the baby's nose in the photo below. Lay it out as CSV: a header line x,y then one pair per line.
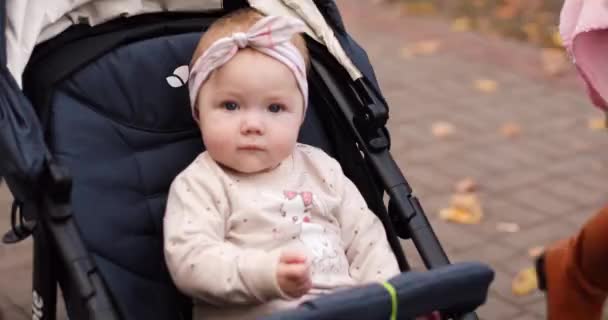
x,y
252,125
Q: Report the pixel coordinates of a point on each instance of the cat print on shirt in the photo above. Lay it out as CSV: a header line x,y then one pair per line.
x,y
326,258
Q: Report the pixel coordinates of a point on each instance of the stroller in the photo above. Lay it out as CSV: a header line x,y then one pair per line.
x,y
89,155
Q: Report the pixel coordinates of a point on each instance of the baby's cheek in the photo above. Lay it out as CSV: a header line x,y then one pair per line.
x,y
216,131
288,136
283,149
217,147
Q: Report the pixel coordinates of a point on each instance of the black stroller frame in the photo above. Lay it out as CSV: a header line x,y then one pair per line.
x,y
47,215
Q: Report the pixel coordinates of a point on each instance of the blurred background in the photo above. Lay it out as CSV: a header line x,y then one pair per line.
x,y
532,21
492,128
490,125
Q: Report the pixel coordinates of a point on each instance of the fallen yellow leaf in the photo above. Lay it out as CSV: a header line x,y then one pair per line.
x,y
510,130
459,216
420,48
486,85
554,61
525,282
466,201
420,8
427,46
442,129
466,185
461,24
464,208
535,252
556,38
597,124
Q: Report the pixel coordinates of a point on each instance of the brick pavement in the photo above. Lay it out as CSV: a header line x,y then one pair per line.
x,y
549,180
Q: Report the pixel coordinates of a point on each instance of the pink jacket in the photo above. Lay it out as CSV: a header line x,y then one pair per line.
x,y
584,30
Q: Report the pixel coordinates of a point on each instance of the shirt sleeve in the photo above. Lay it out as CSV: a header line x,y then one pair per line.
x,y
201,263
367,249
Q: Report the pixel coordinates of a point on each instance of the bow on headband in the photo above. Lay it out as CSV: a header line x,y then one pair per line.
x,y
270,35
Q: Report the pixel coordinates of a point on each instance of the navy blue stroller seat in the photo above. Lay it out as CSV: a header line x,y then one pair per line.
x,y
113,105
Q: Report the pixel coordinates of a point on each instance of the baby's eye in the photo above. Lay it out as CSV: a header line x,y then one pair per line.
x,y
275,107
230,105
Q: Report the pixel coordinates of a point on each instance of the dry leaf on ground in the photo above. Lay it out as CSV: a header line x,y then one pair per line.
x,y
536,251
556,38
461,24
554,61
509,227
466,185
524,282
442,129
597,124
459,216
420,48
420,8
486,85
510,130
464,208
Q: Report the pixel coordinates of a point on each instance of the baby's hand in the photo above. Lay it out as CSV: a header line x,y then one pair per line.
x,y
293,273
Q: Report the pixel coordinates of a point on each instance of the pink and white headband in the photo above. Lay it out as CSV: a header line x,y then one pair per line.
x,y
271,35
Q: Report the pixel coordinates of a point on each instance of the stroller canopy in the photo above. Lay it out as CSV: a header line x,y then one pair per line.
x,y
30,22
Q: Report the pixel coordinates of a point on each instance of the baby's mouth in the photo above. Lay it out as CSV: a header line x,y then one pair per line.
x,y
250,147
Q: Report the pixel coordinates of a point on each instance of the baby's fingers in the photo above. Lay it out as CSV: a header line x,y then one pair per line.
x,y
292,256
299,273
294,279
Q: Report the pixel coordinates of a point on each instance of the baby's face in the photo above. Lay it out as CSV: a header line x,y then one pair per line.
x,y
250,112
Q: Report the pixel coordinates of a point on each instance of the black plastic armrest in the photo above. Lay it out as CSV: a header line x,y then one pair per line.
x,y
452,289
